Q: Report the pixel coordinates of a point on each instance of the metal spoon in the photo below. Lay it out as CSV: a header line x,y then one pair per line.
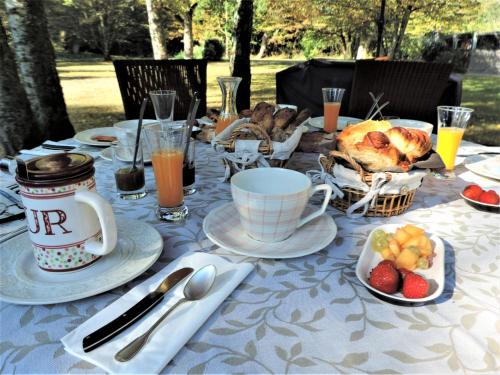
x,y
196,288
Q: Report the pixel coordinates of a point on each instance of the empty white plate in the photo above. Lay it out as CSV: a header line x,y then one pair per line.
x,y
484,165
222,226
368,259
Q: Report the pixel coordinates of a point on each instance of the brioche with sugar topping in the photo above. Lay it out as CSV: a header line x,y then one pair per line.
x,y
379,147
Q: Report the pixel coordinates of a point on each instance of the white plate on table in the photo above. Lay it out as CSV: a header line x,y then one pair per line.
x,y
342,122
86,137
435,275
107,154
22,282
413,124
484,165
222,226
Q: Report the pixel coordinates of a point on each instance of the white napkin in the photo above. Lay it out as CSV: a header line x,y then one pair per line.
x,y
173,333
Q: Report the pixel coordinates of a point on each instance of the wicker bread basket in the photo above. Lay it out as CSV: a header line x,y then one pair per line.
x,y
265,148
382,204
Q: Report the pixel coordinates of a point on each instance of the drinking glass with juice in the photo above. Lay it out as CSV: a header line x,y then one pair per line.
x,y
452,122
167,146
332,99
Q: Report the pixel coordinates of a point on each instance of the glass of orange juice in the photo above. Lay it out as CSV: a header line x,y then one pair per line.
x,y
452,122
332,98
167,155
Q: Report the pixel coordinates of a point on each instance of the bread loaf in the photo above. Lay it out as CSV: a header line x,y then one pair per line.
x,y
380,147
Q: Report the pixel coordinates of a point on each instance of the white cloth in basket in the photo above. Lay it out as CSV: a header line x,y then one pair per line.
x,y
247,151
340,177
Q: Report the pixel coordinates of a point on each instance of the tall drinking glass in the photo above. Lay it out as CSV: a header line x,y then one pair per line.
x,y
167,154
452,122
332,98
163,103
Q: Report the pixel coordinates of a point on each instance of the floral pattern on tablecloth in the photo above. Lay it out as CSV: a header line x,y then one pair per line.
x,y
304,315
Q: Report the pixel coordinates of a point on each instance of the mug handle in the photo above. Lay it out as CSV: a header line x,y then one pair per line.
x,y
319,212
106,219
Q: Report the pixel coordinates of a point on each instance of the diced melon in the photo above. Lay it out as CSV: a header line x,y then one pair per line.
x,y
394,247
413,230
387,254
401,236
407,259
426,247
414,241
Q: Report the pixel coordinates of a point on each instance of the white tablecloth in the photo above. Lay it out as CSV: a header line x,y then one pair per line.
x,y
305,315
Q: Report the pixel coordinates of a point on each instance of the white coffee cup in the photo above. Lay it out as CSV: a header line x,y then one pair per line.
x,y
271,201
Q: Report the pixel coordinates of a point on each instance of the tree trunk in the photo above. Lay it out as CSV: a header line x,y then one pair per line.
x,y
240,61
188,32
263,46
401,32
18,129
380,27
37,67
155,31
105,37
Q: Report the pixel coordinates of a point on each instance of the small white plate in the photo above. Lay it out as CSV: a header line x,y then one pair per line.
x,y
484,165
204,121
413,124
342,122
86,137
22,282
484,206
368,259
107,154
222,226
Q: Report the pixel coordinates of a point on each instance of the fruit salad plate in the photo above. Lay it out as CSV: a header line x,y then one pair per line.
x,y
435,274
488,207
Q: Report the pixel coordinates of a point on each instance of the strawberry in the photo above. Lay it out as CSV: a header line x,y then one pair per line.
x,y
415,286
404,272
489,197
385,278
472,192
389,262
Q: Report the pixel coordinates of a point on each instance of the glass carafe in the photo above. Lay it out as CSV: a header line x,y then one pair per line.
x,y
228,111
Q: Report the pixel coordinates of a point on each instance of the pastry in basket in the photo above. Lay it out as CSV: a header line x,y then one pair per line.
x,y
379,147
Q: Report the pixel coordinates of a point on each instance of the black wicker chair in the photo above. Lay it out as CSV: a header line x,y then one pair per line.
x,y
137,78
414,89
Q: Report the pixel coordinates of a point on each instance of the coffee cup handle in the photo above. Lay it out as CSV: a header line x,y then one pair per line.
x,y
319,212
106,219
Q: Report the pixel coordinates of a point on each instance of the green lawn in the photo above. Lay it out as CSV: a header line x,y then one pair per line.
x,y
93,97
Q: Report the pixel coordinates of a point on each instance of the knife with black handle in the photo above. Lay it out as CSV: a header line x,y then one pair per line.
x,y
136,312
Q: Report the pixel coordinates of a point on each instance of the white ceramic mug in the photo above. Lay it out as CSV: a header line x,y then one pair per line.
x,y
271,201
69,224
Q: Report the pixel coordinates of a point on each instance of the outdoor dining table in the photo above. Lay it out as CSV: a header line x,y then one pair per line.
x,y
303,315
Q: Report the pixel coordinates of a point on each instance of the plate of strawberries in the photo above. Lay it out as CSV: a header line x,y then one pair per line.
x,y
402,263
487,199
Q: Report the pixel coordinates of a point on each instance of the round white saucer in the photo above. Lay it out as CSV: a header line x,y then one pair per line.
x,y
222,226
22,282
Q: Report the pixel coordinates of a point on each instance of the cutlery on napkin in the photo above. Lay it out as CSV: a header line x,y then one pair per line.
x,y
173,333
